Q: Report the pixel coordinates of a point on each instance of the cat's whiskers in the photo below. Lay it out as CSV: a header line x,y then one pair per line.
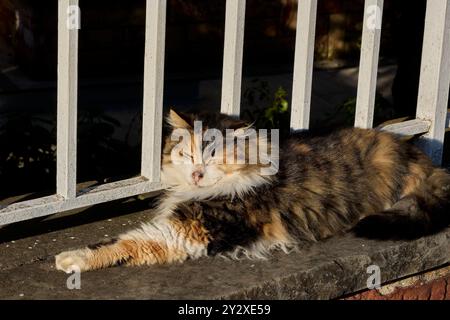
x,y
235,185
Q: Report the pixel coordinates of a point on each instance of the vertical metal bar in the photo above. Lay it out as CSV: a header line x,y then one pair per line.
x,y
67,99
232,56
303,64
368,64
435,77
155,31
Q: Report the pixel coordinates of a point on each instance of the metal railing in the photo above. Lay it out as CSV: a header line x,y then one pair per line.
x,y
431,120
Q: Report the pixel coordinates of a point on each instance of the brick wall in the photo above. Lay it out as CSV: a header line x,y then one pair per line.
x,y
433,285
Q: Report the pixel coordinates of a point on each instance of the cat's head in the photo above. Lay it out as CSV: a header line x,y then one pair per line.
x,y
214,154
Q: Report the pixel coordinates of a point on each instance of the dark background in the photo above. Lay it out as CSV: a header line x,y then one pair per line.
x,y
111,56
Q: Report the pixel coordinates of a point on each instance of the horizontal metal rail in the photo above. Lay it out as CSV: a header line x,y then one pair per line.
x,y
40,207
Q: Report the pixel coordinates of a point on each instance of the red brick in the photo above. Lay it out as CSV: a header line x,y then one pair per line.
x,y
423,292
372,294
397,295
438,290
408,295
447,297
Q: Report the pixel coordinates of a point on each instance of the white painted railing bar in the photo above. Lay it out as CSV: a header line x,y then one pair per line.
x,y
232,57
303,64
66,153
435,77
408,128
55,203
66,197
368,64
155,30
432,117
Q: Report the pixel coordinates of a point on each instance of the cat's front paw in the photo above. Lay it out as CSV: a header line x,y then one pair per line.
x,y
70,261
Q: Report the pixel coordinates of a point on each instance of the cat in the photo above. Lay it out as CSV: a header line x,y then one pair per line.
x,y
362,180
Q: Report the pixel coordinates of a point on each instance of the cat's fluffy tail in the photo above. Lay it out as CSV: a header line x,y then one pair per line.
x,y
424,211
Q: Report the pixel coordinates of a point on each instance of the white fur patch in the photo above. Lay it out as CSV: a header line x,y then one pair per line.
x,y
161,231
261,250
75,260
234,185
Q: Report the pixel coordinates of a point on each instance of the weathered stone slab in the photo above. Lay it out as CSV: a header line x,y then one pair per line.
x,y
327,270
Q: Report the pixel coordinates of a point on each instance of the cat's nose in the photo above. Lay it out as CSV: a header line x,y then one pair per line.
x,y
197,176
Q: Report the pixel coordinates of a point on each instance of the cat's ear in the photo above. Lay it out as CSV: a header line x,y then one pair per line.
x,y
236,124
240,127
178,120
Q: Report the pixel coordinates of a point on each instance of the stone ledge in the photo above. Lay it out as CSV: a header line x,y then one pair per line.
x,y
327,270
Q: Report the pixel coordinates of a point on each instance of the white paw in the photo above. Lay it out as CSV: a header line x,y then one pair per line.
x,y
70,261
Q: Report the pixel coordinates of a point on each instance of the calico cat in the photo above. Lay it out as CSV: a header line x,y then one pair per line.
x,y
368,181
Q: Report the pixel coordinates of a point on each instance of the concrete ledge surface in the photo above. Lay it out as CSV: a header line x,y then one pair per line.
x,y
326,270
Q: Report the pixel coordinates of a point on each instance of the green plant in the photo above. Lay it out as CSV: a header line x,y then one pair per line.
x,y
274,114
266,109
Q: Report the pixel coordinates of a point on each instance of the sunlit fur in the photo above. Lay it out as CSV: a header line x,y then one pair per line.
x,y
222,176
367,181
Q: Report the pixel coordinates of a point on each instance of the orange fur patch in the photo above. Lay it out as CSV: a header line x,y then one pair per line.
x,y
275,230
